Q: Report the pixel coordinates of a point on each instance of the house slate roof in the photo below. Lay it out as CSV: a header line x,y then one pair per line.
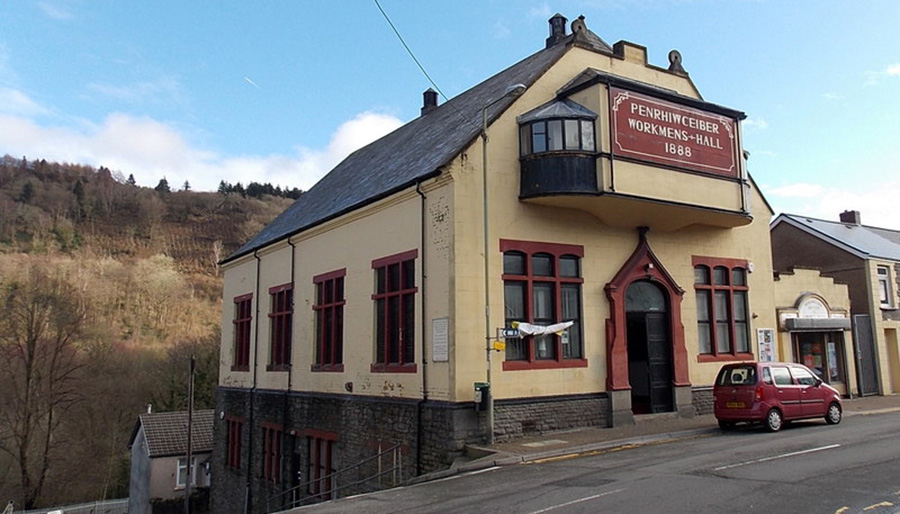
x,y
412,153
166,432
864,241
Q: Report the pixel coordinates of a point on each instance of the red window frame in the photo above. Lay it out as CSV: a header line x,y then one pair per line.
x,y
243,319
711,324
234,441
394,298
281,316
557,281
272,436
329,312
320,447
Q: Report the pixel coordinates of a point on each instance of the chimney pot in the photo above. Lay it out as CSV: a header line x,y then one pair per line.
x,y
429,100
557,29
851,217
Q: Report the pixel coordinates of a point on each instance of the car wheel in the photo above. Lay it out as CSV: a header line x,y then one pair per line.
x,y
834,414
774,420
726,425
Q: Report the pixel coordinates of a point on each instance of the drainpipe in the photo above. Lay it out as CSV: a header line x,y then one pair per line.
x,y
248,497
290,369
612,154
421,405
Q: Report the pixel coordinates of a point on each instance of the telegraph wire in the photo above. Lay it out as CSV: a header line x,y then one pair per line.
x,y
419,64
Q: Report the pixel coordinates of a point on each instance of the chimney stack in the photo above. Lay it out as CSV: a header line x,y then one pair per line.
x,y
557,29
851,217
429,101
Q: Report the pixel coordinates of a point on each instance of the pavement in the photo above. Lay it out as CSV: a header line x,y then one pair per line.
x,y
648,429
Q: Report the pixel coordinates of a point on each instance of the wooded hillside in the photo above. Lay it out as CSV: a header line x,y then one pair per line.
x,y
107,288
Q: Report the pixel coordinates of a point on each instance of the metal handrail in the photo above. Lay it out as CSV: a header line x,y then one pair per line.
x,y
298,495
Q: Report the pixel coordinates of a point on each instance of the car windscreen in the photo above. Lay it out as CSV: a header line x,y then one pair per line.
x,y
737,375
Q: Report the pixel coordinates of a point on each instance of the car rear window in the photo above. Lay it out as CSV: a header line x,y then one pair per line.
x,y
737,375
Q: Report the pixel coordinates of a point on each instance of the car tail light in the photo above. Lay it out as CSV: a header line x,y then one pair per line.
x,y
759,393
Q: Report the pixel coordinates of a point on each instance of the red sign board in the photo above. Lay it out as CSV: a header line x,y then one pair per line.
x,y
662,132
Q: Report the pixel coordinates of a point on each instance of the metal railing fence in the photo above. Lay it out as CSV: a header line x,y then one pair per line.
x,y
381,471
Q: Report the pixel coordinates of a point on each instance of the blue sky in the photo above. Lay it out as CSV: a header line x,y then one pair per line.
x,y
280,91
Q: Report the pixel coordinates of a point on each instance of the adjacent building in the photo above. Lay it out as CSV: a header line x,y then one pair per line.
x,y
867,260
159,457
582,185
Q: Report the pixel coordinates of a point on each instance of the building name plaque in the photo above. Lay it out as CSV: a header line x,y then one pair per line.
x,y
662,132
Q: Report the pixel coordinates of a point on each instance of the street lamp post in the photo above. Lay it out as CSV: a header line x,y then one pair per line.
x,y
512,91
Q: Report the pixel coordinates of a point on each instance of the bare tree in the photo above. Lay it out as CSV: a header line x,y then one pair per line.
x,y
39,362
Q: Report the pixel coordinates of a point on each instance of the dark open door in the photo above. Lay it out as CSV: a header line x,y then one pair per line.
x,y
659,361
649,349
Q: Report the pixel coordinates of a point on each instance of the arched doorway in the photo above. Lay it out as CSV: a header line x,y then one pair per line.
x,y
649,348
644,267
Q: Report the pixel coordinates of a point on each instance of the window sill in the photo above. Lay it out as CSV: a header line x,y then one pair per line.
x,y
278,367
327,368
726,357
394,368
240,368
544,364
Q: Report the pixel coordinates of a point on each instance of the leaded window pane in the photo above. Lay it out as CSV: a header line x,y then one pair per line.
x,y
539,136
513,263
572,136
543,303
542,265
720,276
701,275
554,133
568,267
524,140
587,135
703,306
545,346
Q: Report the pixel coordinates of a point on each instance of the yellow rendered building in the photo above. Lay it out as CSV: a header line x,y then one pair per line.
x,y
582,187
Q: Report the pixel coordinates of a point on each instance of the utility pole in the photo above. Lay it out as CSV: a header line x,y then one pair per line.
x,y
189,478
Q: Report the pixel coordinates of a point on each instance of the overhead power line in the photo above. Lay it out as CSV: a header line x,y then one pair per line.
x,y
409,51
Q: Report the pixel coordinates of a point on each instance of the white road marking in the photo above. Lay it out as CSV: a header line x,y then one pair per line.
x,y
573,502
782,456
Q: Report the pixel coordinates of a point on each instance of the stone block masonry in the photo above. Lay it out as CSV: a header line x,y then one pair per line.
x,y
529,416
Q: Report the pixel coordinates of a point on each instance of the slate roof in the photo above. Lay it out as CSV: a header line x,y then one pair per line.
x,y
166,432
862,240
412,153
564,108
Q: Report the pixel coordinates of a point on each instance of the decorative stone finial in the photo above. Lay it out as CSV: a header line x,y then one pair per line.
x,y
675,62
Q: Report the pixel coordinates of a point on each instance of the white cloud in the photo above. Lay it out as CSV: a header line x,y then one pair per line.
x,y
873,78
501,31
877,206
541,11
13,101
163,89
756,123
831,96
151,150
800,190
54,11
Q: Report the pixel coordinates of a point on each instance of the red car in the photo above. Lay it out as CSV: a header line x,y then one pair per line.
x,y
773,393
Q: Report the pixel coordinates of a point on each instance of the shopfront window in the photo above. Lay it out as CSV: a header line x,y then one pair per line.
x,y
821,352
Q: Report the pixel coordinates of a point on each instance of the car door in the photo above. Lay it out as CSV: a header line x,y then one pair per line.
x,y
812,395
787,393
